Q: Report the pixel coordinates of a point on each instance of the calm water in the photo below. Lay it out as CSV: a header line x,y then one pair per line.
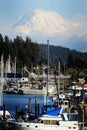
x,y
12,101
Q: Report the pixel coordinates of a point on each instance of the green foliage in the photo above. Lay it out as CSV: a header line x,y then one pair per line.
x,y
31,54
76,62
27,52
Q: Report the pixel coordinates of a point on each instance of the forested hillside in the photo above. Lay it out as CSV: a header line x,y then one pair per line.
x,y
31,54
25,51
72,58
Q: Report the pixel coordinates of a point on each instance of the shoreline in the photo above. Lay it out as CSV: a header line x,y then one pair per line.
x,y
28,91
33,91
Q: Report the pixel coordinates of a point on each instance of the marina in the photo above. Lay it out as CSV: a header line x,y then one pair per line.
x,y
43,65
45,103
21,102
12,101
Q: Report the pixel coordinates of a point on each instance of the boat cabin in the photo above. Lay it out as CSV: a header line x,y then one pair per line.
x,y
54,120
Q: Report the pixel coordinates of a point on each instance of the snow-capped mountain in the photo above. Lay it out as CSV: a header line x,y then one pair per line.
x,y
45,22
41,23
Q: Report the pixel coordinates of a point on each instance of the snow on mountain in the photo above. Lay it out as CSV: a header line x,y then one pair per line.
x,y
46,23
41,25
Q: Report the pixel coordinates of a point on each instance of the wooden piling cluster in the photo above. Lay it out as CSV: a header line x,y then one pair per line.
x,y
31,114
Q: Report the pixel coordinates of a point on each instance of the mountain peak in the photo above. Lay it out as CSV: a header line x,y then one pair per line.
x,y
40,21
41,25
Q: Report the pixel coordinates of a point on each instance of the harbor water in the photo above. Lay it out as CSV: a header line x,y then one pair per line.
x,y
11,101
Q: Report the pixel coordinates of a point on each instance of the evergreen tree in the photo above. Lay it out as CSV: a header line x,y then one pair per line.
x,y
70,61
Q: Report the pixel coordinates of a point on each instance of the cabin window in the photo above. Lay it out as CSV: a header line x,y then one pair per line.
x,y
52,122
73,117
46,121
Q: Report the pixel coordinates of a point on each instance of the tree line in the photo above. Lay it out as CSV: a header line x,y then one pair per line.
x,y
28,54
26,51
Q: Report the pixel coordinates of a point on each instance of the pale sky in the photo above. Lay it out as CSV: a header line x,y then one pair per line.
x,y
69,10
11,9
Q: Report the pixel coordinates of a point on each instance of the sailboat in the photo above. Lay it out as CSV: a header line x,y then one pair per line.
x,y
48,104
5,116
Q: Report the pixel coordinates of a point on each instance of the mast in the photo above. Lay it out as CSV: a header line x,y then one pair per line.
x,y
9,64
58,81
1,81
46,93
59,78
15,68
47,67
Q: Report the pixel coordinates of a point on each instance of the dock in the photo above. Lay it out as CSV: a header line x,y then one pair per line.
x,y
33,91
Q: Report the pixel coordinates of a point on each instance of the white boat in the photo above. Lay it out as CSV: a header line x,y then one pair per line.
x,y
5,114
6,119
63,121
53,119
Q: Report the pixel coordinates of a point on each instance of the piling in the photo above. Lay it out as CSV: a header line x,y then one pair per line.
x,y
29,107
4,121
36,107
16,111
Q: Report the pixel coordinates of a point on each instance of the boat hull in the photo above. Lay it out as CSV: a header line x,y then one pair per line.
x,y
38,126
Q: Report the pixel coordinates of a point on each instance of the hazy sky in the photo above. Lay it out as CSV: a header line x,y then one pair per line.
x,y
10,10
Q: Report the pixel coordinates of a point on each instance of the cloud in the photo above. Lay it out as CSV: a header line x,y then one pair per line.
x,y
41,25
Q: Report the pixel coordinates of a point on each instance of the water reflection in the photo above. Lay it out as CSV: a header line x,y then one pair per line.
x,y
12,101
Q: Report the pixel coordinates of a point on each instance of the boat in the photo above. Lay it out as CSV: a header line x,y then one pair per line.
x,y
53,118
6,119
63,121
5,116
